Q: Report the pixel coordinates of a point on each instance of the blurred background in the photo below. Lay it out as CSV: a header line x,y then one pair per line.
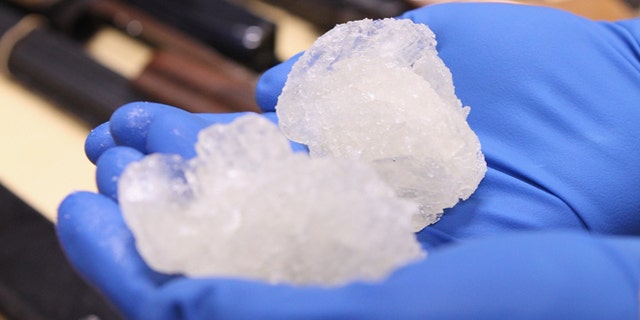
x,y
68,64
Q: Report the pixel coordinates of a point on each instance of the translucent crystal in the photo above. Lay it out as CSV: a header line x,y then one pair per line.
x,y
376,91
248,207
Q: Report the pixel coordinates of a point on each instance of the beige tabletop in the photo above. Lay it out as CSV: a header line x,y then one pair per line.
x,y
42,150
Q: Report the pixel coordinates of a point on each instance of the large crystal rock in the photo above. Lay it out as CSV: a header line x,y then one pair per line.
x,y
376,91
248,207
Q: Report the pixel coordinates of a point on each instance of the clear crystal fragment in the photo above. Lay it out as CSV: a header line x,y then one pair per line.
x,y
376,91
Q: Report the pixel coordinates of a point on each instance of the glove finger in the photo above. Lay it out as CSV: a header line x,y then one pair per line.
x,y
271,83
111,165
129,125
100,246
98,141
220,117
151,127
176,132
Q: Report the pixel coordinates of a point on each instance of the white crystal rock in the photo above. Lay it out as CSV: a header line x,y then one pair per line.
x,y
248,207
376,91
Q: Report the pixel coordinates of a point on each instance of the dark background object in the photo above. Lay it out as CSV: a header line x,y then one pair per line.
x,y
69,16
170,75
36,281
219,24
49,62
65,74
227,27
58,68
66,15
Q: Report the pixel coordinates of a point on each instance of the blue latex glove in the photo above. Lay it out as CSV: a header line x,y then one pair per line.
x,y
554,103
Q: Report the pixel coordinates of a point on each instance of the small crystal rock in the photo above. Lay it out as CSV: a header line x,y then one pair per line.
x,y
377,92
248,207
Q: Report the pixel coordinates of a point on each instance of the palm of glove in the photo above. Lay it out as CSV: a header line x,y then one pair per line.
x,y
553,102
552,99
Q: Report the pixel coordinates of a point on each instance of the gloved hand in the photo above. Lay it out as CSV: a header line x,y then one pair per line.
x,y
553,102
